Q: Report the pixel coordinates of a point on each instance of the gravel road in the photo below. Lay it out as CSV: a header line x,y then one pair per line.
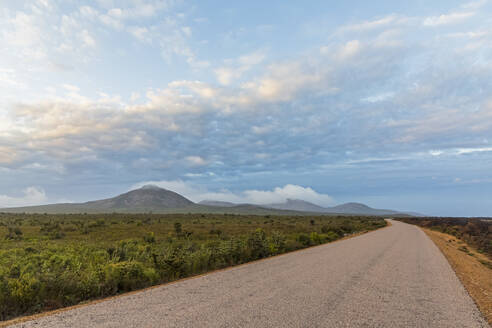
x,y
393,277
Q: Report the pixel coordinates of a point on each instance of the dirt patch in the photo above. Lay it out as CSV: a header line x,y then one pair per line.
x,y
472,268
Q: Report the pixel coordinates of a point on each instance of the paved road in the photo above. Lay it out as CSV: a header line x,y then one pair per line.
x,y
394,277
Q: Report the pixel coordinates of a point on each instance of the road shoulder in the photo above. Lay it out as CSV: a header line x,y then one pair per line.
x,y
472,268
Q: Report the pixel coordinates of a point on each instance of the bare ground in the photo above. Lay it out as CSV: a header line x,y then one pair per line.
x,y
470,266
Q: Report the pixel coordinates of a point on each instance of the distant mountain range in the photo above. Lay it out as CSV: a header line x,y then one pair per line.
x,y
151,198
304,206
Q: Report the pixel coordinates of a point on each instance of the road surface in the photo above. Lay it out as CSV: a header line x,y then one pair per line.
x,y
393,277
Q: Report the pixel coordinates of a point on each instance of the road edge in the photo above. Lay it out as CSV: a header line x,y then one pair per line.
x,y
18,320
441,240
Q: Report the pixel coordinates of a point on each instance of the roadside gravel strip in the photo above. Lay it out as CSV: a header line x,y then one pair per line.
x,y
393,277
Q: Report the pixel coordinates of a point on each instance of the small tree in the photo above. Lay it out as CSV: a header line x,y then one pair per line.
x,y
178,228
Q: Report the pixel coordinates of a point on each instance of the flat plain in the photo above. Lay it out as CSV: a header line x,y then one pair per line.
x,y
393,277
52,261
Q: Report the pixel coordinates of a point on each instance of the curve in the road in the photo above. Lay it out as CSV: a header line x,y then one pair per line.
x,y
393,277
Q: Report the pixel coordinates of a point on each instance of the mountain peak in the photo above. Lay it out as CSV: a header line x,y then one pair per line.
x,y
151,187
354,204
148,197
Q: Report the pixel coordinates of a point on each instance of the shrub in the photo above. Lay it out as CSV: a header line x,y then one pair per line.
x,y
277,243
177,228
14,233
39,273
257,244
315,238
149,238
126,276
304,239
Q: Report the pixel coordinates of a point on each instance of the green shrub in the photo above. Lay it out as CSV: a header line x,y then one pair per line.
x,y
39,272
258,245
304,239
315,238
149,238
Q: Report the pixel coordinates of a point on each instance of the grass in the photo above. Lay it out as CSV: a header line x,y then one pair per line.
x,y
53,261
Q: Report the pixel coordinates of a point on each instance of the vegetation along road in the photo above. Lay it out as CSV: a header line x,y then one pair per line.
x,y
393,277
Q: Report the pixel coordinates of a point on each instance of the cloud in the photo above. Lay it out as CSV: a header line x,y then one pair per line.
x,y
236,68
277,195
475,4
32,196
141,33
350,49
315,98
196,160
70,87
452,18
382,89
473,150
370,25
378,98
7,155
87,39
24,31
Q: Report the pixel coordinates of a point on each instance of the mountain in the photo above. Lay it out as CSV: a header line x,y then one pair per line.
x,y
304,206
216,203
358,208
151,198
148,197
297,205
348,208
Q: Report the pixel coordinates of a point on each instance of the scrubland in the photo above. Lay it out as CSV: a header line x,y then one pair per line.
x,y
52,261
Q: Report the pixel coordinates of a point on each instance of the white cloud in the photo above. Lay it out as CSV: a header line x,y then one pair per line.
x,y
280,194
111,22
186,30
378,98
282,82
461,151
236,68
134,96
32,196
475,4
277,195
88,12
349,49
70,87
436,152
196,160
24,31
452,18
261,129
87,39
141,33
370,25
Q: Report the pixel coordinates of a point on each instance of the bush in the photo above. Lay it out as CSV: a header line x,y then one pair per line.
x,y
14,233
315,238
127,276
149,238
304,239
258,245
39,273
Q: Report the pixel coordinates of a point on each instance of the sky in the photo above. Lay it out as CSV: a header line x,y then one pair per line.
x,y
388,103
